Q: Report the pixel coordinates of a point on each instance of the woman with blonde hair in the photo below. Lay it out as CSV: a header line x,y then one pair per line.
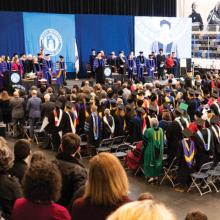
x,y
143,210
106,189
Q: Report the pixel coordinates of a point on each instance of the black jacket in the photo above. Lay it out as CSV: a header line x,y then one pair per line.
x,y
10,190
18,170
74,176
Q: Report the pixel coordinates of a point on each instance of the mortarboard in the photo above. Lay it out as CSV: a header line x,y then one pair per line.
x,y
61,57
47,54
141,52
58,104
200,122
69,104
187,133
183,106
179,110
215,119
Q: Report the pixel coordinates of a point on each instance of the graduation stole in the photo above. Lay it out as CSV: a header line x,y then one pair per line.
x,y
179,122
186,121
206,146
216,131
189,151
217,106
144,125
112,128
95,120
56,119
73,128
76,121
157,135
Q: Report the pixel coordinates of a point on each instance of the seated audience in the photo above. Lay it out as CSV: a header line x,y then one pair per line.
x,y
106,189
41,186
142,210
22,149
10,188
73,172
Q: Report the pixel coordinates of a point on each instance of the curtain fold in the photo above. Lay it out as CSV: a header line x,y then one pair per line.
x,y
116,7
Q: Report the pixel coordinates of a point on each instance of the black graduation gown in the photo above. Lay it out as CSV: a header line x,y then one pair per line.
x,y
216,144
174,136
191,108
215,109
28,66
119,125
106,132
203,156
135,130
184,171
65,123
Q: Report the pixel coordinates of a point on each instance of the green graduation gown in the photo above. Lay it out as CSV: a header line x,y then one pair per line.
x,y
153,146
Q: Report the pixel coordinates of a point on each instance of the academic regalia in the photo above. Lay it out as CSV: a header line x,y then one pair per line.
x,y
215,129
174,136
2,79
28,66
216,108
191,108
120,125
54,125
68,123
95,129
153,146
47,69
98,68
141,62
81,118
131,68
121,65
111,61
196,18
161,59
151,66
108,126
91,62
22,66
176,67
185,160
136,129
204,146
61,72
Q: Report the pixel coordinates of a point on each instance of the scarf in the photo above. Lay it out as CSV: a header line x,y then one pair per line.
x,y
95,120
73,128
112,128
56,119
144,125
189,152
179,122
216,131
206,146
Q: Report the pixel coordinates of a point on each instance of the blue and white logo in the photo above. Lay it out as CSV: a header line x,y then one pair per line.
x,y
51,42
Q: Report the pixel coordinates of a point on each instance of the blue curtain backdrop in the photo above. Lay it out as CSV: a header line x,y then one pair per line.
x,y
103,32
54,32
12,33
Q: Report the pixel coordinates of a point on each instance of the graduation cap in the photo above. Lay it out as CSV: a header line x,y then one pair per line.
x,y
121,107
179,110
187,133
58,104
69,104
197,92
198,114
215,95
191,92
215,119
200,122
39,54
152,108
183,106
47,54
22,54
92,49
140,110
61,57
141,52
167,90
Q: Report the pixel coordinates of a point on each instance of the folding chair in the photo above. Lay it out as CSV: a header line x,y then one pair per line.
x,y
140,168
169,171
199,179
105,146
38,133
84,151
121,151
26,130
214,175
116,142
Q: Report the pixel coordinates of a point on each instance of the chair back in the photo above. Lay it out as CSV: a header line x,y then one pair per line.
x,y
106,142
205,167
118,140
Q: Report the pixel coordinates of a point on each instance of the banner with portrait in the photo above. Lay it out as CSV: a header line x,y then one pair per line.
x,y
54,33
169,34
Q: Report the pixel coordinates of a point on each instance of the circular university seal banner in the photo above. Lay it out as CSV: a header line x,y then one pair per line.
x,y
51,42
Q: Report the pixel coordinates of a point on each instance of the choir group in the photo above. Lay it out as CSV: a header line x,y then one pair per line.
x,y
136,67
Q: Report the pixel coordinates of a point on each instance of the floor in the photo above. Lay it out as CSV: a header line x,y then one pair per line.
x,y
180,203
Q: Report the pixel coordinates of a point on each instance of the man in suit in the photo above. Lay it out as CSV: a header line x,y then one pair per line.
x,y
34,106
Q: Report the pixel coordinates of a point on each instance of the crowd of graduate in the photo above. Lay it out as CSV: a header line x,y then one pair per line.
x,y
180,117
41,65
136,67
